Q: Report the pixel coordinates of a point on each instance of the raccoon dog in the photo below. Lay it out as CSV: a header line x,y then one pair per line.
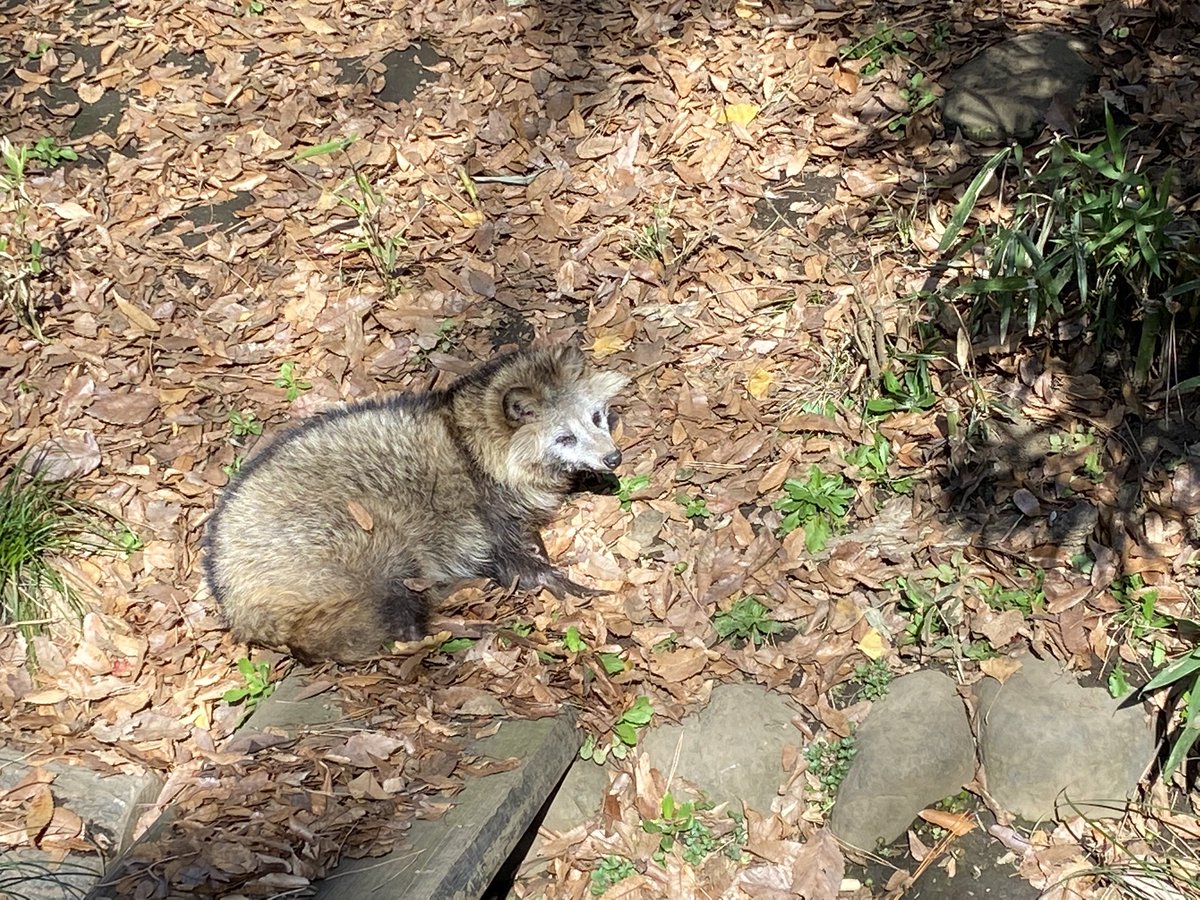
x,y
337,537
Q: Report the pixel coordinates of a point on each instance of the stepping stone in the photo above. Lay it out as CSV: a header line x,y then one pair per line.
x,y
109,806
1004,92
1054,749
914,749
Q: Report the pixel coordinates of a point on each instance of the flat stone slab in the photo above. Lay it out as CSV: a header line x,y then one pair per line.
x,y
1054,749
457,856
914,749
109,806
454,856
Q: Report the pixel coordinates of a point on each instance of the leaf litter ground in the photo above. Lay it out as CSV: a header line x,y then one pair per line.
x,y
710,199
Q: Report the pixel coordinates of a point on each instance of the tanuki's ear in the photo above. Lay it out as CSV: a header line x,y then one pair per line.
x,y
521,406
571,362
606,385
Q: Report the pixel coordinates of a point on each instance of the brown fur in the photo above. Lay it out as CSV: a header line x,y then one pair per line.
x,y
453,485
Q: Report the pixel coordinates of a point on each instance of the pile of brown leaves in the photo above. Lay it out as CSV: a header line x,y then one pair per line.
x,y
591,173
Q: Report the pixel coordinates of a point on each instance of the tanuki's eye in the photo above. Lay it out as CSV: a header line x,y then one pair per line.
x,y
596,418
565,440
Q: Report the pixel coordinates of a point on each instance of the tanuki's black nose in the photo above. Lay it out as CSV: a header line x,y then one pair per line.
x,y
613,459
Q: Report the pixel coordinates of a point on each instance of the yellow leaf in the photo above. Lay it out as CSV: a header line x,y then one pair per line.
x,y
472,218
759,383
608,344
738,114
871,646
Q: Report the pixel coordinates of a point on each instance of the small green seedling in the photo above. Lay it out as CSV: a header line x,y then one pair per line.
x,y
1118,682
231,469
243,424
829,762
629,485
256,686
289,382
679,824
609,871
624,734
14,157
919,96
912,392
653,240
876,47
817,504
1070,441
128,541
1093,467
612,662
573,641
453,645
1027,600
872,461
48,153
695,507
747,620
1139,606
873,678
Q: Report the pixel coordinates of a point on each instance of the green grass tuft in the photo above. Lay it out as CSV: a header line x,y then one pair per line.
x,y
40,522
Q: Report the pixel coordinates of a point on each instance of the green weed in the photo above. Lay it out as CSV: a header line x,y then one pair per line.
x,y
818,505
883,42
20,252
873,678
1028,599
829,762
652,241
573,641
695,507
679,824
930,605
747,620
624,733
48,153
450,646
911,391
243,424
1072,440
872,461
919,95
630,485
1138,612
1183,671
288,380
609,871
256,686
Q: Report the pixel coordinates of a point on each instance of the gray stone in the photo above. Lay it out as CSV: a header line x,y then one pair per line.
x,y
109,806
457,856
914,749
1005,91
733,748
578,797
1052,748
